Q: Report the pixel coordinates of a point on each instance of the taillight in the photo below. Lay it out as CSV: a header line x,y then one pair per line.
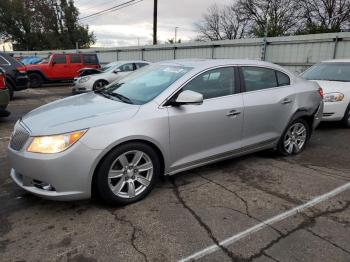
x,y
21,69
320,91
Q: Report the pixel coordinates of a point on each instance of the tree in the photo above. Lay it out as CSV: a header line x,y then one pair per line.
x,y
221,23
281,16
323,16
42,24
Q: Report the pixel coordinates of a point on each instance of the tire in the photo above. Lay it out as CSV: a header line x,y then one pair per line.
x,y
99,84
10,87
129,184
291,142
36,80
346,119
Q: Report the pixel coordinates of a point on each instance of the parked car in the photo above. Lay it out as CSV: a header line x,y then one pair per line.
x,y
16,74
106,75
4,94
163,119
60,68
334,77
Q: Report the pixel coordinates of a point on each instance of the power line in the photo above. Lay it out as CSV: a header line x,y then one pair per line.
x,y
113,8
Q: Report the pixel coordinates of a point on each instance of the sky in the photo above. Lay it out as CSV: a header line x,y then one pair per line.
x,y
133,25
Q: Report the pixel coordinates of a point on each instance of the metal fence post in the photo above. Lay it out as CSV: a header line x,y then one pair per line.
x,y
175,52
117,51
336,39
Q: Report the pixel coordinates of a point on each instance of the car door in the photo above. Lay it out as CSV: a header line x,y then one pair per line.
x,y
59,67
268,99
201,133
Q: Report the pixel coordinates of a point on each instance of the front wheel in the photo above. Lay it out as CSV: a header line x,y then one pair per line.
x,y
127,174
294,138
99,84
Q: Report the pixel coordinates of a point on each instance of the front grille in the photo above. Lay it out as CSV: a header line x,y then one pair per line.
x,y
19,137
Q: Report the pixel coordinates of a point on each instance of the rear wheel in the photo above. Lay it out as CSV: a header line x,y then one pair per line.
x,y
346,119
127,174
36,80
294,138
10,88
99,84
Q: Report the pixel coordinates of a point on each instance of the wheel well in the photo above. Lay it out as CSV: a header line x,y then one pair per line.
x,y
152,145
37,72
310,121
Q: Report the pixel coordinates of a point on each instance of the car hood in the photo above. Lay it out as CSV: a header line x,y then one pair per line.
x,y
333,86
77,112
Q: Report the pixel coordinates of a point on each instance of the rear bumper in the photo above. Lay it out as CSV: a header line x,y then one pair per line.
x,y
318,115
4,98
21,83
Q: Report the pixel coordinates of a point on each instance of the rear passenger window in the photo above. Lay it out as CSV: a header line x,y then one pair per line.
x,y
59,59
258,78
90,59
214,83
283,79
75,59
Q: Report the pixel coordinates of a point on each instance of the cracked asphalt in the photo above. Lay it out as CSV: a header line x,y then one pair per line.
x,y
189,211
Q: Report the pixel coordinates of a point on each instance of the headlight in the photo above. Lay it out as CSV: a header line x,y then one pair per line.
x,y
54,144
333,97
84,79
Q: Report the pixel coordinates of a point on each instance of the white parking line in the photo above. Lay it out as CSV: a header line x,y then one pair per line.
x,y
5,138
249,231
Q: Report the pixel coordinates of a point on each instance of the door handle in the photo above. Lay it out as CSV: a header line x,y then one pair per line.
x,y
287,101
233,113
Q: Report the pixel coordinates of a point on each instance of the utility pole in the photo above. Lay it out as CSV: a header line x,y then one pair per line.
x,y
155,10
175,34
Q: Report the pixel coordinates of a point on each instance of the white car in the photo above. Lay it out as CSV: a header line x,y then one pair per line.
x,y
108,74
334,78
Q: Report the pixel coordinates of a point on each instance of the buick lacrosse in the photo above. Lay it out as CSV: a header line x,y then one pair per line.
x,y
163,119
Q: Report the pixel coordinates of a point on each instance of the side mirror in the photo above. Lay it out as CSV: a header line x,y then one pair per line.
x,y
53,63
189,97
116,71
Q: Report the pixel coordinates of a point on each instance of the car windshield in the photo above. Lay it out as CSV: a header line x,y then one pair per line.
x,y
329,72
110,67
145,84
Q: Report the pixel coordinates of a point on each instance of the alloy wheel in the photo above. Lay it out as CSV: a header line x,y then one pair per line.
x,y
295,138
130,174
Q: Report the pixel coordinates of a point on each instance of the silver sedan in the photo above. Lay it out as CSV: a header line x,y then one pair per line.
x,y
163,119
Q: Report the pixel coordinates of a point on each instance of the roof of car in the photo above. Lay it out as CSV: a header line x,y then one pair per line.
x,y
198,63
337,61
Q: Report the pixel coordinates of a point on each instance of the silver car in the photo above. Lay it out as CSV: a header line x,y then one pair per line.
x,y
109,73
163,119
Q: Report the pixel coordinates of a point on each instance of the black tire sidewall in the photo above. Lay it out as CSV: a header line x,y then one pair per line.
x,y
94,87
38,82
280,147
101,181
346,120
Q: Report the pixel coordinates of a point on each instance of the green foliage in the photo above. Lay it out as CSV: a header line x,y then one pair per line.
x,y
42,25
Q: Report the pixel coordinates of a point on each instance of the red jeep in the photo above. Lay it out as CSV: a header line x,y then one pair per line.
x,y
60,68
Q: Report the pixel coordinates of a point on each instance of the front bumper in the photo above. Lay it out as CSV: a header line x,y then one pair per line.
x,y
334,111
64,176
78,88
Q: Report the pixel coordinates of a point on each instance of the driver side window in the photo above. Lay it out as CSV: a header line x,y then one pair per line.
x,y
213,83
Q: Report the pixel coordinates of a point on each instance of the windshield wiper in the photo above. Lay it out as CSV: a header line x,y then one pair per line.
x,y
120,97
